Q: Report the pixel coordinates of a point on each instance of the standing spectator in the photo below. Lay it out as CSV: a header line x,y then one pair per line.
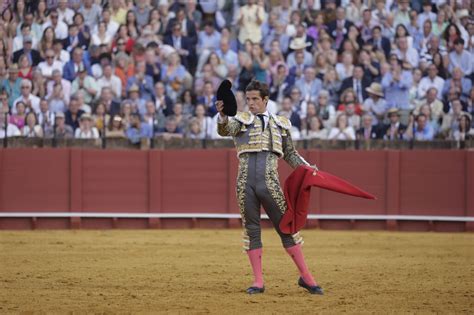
x,y
32,129
250,19
57,79
18,40
86,129
380,42
342,131
309,85
188,27
31,101
84,29
138,130
228,56
375,105
396,85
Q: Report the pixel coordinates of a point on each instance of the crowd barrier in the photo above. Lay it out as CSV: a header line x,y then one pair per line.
x,y
417,190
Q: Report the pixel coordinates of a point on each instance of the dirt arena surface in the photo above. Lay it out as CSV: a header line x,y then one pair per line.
x,y
205,271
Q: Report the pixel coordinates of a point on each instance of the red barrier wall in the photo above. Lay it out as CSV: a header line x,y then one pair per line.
x,y
191,181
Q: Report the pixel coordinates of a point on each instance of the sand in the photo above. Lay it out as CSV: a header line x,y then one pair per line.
x,y
205,271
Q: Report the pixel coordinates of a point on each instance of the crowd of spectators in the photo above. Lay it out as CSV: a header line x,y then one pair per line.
x,y
338,69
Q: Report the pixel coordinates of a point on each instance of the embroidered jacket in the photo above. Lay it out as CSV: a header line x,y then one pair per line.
x,y
246,130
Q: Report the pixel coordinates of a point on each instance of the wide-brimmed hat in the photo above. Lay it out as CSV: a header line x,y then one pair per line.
x,y
375,89
299,43
462,13
134,88
86,116
393,111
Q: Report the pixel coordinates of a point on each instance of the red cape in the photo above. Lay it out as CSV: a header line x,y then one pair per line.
x,y
297,192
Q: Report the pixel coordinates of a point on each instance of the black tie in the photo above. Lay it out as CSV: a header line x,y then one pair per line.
x,y
262,120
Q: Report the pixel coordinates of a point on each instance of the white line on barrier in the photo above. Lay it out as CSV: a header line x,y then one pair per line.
x,y
227,216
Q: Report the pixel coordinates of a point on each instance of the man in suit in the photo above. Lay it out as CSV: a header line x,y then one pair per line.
x,y
358,82
339,28
380,42
367,131
32,54
394,130
71,68
74,39
188,28
261,139
309,85
182,44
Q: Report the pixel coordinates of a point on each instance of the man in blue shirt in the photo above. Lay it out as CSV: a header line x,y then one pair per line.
x,y
396,85
137,130
423,130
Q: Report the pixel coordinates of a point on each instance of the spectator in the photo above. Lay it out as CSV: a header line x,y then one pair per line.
x,y
460,58
32,54
298,45
71,68
422,130
12,130
18,119
31,101
163,102
91,12
137,103
74,113
65,14
435,105
316,129
368,130
358,82
142,12
375,105
47,67
458,83
182,44
62,130
31,128
342,131
100,118
205,122
250,19
85,84
47,40
25,70
115,128
109,80
228,56
465,132
309,86
12,85
408,55
57,100
394,130
171,129
396,85
339,27
380,42
45,115
288,112
60,28
451,120
86,129
431,80
138,130
18,40
208,99
172,75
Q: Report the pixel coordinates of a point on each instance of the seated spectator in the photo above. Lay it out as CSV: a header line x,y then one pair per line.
x,y
60,28
408,55
71,68
74,113
172,75
91,12
380,42
65,14
183,45
208,99
299,45
38,84
57,100
309,86
138,130
345,68
205,122
316,129
60,130
98,118
189,101
60,54
45,115
115,128
432,80
435,123
465,131
451,120
18,119
394,130
368,130
86,128
375,105
460,58
111,81
435,105
32,129
462,85
349,97
85,84
342,131
332,85
171,129
102,37
12,130
12,85
27,98
180,119
65,85
194,130
32,54
228,56
288,112
25,70
420,129
358,83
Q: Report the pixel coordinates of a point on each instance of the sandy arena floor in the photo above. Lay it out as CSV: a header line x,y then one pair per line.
x,y
204,271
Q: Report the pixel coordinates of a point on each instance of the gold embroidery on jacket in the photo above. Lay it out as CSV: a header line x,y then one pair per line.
x,y
273,183
241,183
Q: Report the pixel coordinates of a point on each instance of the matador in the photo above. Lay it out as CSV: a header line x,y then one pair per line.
x,y
261,138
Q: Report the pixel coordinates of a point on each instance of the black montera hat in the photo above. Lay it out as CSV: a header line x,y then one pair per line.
x,y
225,94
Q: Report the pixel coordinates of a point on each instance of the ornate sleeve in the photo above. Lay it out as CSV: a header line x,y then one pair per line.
x,y
290,155
228,128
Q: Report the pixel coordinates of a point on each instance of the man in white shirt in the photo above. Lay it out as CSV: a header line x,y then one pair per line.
x,y
49,65
60,28
229,56
405,53
57,78
31,101
65,14
112,26
431,80
12,130
25,32
110,80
